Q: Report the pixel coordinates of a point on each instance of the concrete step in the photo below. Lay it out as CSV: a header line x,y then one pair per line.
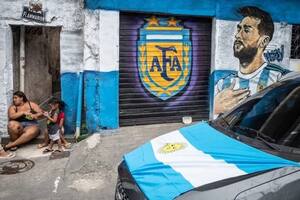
x,y
39,139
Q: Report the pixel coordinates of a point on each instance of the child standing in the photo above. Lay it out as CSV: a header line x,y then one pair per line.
x,y
52,126
60,122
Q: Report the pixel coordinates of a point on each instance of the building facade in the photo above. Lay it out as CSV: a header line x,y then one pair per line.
x,y
131,62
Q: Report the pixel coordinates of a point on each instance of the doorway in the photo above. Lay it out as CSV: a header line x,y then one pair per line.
x,y
36,61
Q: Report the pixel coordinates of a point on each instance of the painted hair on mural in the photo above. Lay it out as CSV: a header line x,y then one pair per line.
x,y
21,95
266,25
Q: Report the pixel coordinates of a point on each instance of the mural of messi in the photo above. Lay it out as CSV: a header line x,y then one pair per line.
x,y
253,34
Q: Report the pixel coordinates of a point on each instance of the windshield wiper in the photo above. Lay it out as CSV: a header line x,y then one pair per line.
x,y
265,137
225,121
271,145
261,137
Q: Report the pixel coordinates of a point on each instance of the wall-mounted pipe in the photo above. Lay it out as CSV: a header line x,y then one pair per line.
x,y
22,58
79,105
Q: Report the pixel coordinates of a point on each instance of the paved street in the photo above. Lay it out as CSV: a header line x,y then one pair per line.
x,y
89,172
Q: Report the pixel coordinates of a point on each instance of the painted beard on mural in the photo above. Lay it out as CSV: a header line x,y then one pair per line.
x,y
244,54
253,33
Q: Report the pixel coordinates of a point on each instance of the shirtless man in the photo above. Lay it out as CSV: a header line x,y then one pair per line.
x,y
22,125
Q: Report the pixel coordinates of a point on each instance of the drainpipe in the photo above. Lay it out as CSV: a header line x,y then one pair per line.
x,y
79,106
22,58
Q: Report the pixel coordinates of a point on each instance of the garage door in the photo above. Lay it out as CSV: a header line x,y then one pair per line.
x,y
164,68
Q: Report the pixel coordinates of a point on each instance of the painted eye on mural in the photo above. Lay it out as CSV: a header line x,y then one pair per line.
x,y
247,30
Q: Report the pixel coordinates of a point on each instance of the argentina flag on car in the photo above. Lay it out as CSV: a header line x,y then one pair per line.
x,y
174,163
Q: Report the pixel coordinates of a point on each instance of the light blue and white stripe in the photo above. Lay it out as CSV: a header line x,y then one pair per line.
x,y
208,156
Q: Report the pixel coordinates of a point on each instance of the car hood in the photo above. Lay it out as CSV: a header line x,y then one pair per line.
x,y
194,156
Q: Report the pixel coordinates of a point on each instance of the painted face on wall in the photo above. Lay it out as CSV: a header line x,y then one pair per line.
x,y
247,39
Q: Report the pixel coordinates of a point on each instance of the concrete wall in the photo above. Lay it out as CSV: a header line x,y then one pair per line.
x,y
81,42
91,36
69,16
225,67
101,64
6,73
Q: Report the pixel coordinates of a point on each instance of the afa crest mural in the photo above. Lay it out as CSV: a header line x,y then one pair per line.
x,y
164,56
164,68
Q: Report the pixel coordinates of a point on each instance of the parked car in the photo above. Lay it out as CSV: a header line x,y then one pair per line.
x,y
250,153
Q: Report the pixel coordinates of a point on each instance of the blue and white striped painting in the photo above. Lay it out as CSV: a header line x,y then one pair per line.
x,y
194,156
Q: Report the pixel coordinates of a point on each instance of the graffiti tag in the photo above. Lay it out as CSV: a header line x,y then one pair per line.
x,y
275,55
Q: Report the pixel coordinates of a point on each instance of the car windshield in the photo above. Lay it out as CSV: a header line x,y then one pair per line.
x,y
272,115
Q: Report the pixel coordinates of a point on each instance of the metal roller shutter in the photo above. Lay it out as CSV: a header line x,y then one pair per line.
x,y
164,68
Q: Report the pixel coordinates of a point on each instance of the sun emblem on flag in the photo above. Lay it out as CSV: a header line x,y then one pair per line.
x,y
172,147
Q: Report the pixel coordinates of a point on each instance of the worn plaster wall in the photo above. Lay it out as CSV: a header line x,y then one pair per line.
x,y
69,17
5,74
91,40
101,65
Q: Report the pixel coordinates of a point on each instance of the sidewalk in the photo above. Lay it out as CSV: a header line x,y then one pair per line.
x,y
90,172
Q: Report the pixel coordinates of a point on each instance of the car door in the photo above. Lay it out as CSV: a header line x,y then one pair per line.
x,y
282,188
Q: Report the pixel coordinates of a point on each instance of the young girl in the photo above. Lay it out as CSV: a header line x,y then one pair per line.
x,y
60,122
52,126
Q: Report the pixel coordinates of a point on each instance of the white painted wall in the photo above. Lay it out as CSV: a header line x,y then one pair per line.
x,y
71,51
101,40
109,40
66,13
91,40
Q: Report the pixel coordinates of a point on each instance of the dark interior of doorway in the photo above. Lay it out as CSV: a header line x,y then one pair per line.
x,y
42,61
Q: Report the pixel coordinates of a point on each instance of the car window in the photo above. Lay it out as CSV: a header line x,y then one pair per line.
x,y
273,114
284,119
